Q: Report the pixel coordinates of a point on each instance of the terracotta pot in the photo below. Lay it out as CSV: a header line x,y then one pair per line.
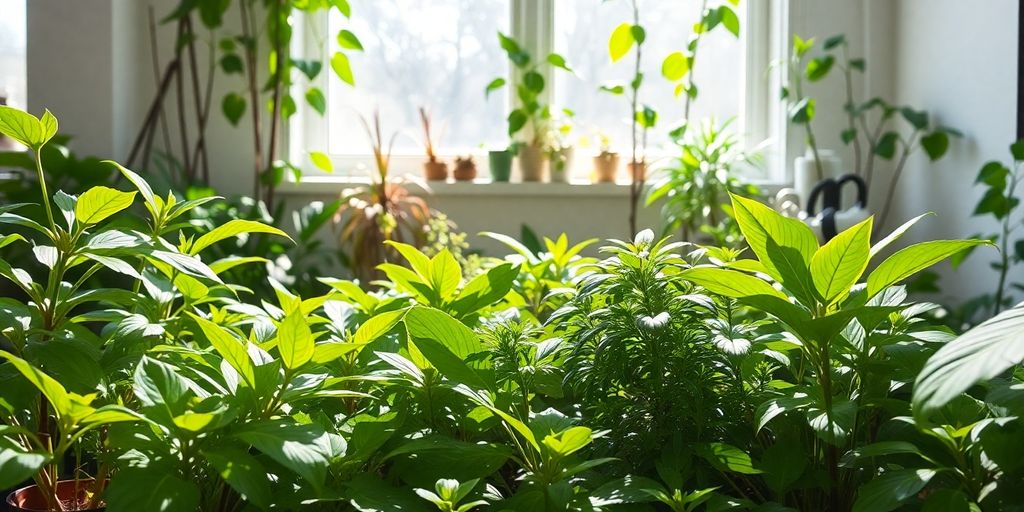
x,y
637,171
435,170
465,170
532,163
606,167
30,499
560,166
501,165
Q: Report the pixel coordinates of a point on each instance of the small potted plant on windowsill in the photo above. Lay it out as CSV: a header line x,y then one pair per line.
x,y
433,169
561,154
606,163
500,163
531,118
465,168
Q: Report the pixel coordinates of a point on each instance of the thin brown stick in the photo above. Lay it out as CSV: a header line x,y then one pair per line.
x,y
182,119
275,116
151,116
198,101
155,53
254,95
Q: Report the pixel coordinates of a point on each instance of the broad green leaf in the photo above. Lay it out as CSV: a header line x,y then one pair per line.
x,y
485,289
888,491
233,228
980,354
140,183
838,265
321,161
156,383
569,441
445,343
727,458
445,273
25,128
558,61
896,234
378,326
819,67
233,107
730,20
342,68
886,147
303,449
730,283
185,263
66,204
242,472
348,40
48,386
295,340
759,223
231,262
151,488
910,260
935,144
675,66
621,41
419,262
516,121
18,465
98,203
316,99
232,349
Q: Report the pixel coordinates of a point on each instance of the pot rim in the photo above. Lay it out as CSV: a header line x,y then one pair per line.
x,y
85,482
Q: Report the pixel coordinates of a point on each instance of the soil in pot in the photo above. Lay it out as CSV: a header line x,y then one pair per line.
x,y
73,494
435,170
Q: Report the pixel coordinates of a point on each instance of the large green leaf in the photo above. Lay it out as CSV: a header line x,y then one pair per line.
x,y
838,265
295,340
151,488
48,386
446,274
304,449
18,465
140,183
25,128
159,384
727,458
98,203
730,283
888,491
231,229
981,353
242,472
760,224
232,349
446,343
910,260
485,289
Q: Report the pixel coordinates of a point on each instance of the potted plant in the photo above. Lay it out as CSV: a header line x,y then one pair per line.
x,y
465,168
531,118
433,169
561,155
500,163
606,163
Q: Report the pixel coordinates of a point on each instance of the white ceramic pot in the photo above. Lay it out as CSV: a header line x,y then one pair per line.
x,y
532,163
560,166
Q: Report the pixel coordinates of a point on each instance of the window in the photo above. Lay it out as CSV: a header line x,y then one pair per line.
x,y
12,53
437,54
582,28
441,54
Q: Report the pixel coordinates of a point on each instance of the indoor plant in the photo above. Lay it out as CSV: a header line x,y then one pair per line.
x,y
465,168
532,117
433,169
500,163
606,163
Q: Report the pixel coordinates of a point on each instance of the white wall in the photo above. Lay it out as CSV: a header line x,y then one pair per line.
x,y
958,60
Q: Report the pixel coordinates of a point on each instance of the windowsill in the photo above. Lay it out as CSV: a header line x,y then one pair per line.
x,y
332,185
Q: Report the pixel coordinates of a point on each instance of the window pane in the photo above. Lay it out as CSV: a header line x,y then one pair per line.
x,y
12,52
439,54
582,28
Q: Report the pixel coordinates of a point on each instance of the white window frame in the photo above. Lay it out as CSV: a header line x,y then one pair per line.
x,y
761,118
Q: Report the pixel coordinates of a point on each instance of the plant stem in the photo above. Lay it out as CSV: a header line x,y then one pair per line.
x,y
908,147
42,187
275,116
635,186
1004,245
848,75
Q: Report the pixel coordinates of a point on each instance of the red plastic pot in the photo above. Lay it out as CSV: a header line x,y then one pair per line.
x,y
73,493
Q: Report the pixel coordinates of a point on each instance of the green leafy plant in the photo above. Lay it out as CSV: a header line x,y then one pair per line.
x,y
880,141
531,113
1000,201
382,211
696,187
448,493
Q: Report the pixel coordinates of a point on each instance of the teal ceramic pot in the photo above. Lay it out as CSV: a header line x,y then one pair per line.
x,y
501,165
